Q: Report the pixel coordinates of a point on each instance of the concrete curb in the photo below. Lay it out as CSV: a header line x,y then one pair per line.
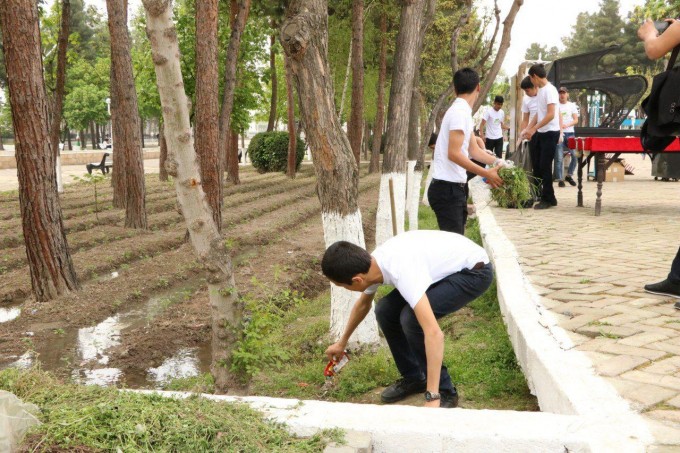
x,y
561,377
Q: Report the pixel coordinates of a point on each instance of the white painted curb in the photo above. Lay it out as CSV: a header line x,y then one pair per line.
x,y
561,377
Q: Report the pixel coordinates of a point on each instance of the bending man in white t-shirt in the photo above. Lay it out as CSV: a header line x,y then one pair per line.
x,y
492,127
434,273
547,130
452,157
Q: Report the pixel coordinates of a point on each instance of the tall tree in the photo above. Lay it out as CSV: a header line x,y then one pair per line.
x,y
274,78
396,137
50,264
55,127
292,138
181,164
163,145
304,36
128,141
207,106
374,166
356,119
238,17
538,51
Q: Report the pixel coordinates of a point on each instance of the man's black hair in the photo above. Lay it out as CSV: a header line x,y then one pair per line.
x,y
526,83
343,260
433,139
538,70
465,81
499,99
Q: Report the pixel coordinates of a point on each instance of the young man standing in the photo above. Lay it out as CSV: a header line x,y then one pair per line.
x,y
434,273
568,119
656,46
547,130
452,153
492,127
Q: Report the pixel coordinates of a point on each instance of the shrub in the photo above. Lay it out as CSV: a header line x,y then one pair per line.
x,y
268,151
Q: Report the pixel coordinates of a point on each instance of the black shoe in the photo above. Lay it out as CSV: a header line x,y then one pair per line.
x,y
562,184
664,288
449,399
553,203
677,305
403,388
543,205
570,180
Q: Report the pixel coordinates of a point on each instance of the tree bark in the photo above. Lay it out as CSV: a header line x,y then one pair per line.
x,y
47,251
239,15
205,237
2,146
275,84
396,137
500,55
292,138
163,144
62,45
380,104
68,139
141,132
207,106
356,119
128,141
232,158
304,36
92,136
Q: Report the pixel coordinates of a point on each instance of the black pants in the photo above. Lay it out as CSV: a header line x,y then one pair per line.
x,y
674,275
495,145
403,332
546,142
448,200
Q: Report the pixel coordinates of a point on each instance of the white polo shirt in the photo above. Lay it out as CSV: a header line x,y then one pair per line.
x,y
414,260
546,96
567,111
494,120
457,118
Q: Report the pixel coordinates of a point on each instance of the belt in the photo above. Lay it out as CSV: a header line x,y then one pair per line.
x,y
450,183
478,266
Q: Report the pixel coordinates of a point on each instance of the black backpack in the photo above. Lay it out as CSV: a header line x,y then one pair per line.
x,y
662,106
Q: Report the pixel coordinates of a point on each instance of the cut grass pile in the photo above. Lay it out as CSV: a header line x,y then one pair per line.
x,y
89,418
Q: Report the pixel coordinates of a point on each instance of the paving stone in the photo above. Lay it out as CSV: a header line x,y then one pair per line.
x,y
667,366
648,394
597,358
665,414
664,434
644,302
595,344
663,449
618,348
619,364
651,378
665,346
643,338
616,331
569,296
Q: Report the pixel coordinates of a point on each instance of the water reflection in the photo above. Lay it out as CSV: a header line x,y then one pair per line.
x,y
184,364
8,314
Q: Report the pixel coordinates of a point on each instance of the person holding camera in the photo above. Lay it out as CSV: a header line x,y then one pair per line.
x,y
657,46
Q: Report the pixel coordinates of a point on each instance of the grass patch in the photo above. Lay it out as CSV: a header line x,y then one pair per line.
x,y
89,418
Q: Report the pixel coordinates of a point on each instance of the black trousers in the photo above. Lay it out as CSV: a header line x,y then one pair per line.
x,y
448,200
542,159
495,145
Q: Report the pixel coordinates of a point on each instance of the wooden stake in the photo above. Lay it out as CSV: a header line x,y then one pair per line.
x,y
394,209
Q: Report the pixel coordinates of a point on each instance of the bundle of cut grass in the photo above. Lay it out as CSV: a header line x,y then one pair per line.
x,y
516,189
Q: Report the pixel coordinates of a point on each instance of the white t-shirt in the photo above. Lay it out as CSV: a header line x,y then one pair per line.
x,y
457,118
546,96
567,111
529,106
414,260
494,120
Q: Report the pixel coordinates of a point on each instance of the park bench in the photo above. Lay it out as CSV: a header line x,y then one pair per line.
x,y
103,166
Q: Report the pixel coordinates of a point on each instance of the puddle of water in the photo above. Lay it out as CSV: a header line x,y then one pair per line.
x,y
184,364
8,314
24,362
99,376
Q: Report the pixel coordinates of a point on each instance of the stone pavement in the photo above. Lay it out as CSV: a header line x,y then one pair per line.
x,y
589,271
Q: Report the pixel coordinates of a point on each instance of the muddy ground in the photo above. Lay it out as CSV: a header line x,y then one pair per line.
x,y
142,315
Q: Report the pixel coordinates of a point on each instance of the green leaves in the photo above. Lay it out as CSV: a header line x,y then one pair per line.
x,y
268,151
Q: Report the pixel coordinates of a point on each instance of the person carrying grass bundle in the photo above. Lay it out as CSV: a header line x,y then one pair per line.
x,y
453,151
434,273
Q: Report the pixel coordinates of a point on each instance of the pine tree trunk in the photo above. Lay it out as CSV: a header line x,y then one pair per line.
x,y
396,137
274,78
304,36
62,44
380,104
82,139
117,156
356,119
98,138
232,158
367,137
92,136
68,139
2,146
239,15
163,144
205,238
207,106
141,133
292,138
49,260
128,141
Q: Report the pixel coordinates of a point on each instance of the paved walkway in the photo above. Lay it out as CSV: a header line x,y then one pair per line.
x,y
590,272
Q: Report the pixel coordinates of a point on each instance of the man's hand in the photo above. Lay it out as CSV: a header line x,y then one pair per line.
x,y
434,403
647,30
493,179
334,351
